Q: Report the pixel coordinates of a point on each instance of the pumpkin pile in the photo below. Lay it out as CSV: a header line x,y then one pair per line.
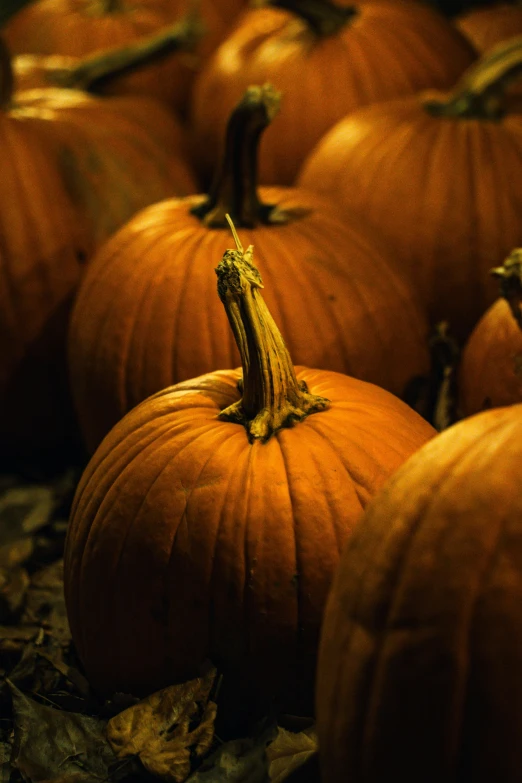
x,y
266,486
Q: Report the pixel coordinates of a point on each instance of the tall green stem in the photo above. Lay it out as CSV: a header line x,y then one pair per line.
x,y
272,397
234,190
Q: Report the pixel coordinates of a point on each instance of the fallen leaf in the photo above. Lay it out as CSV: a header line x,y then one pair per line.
x,y
237,761
45,603
289,751
50,743
24,509
166,727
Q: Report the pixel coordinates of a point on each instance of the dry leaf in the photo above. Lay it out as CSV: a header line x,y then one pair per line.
x,y
237,761
289,751
51,743
165,728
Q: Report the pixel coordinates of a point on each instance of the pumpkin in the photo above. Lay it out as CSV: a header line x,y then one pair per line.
x,y
434,174
209,521
491,367
42,251
488,26
146,317
421,645
83,27
118,71
115,155
374,51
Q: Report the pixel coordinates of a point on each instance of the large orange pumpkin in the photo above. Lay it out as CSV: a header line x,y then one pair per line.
x,y
436,176
209,522
116,155
327,61
491,367
146,315
421,646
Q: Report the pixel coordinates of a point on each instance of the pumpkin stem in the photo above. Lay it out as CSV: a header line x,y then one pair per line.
x,y
93,73
324,18
104,7
272,397
480,93
510,276
6,76
234,190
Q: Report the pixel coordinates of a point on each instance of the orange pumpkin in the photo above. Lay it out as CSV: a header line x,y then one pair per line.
x,y
491,367
115,155
209,522
372,52
118,71
421,646
42,251
83,27
435,175
146,316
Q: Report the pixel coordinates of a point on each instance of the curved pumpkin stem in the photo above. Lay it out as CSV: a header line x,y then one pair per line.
x,y
234,190
272,397
323,18
480,93
93,73
6,76
510,276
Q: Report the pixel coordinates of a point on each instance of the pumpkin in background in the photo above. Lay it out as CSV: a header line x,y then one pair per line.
x,y
491,366
115,155
42,251
370,52
146,315
421,645
437,176
118,71
209,522
486,27
82,27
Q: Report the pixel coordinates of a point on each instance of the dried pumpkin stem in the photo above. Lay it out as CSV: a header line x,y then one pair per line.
x,y
510,276
6,76
93,73
481,92
322,17
234,190
103,7
272,397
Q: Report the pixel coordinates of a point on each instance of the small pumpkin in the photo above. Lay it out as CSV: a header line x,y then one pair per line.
x,y
115,155
421,644
491,367
373,51
435,175
146,316
209,521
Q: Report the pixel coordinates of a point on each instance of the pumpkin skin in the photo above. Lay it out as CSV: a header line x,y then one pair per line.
x,y
423,619
187,542
491,367
388,49
115,155
146,315
444,250
42,252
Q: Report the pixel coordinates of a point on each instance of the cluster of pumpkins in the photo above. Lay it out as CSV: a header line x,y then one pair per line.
x,y
295,521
